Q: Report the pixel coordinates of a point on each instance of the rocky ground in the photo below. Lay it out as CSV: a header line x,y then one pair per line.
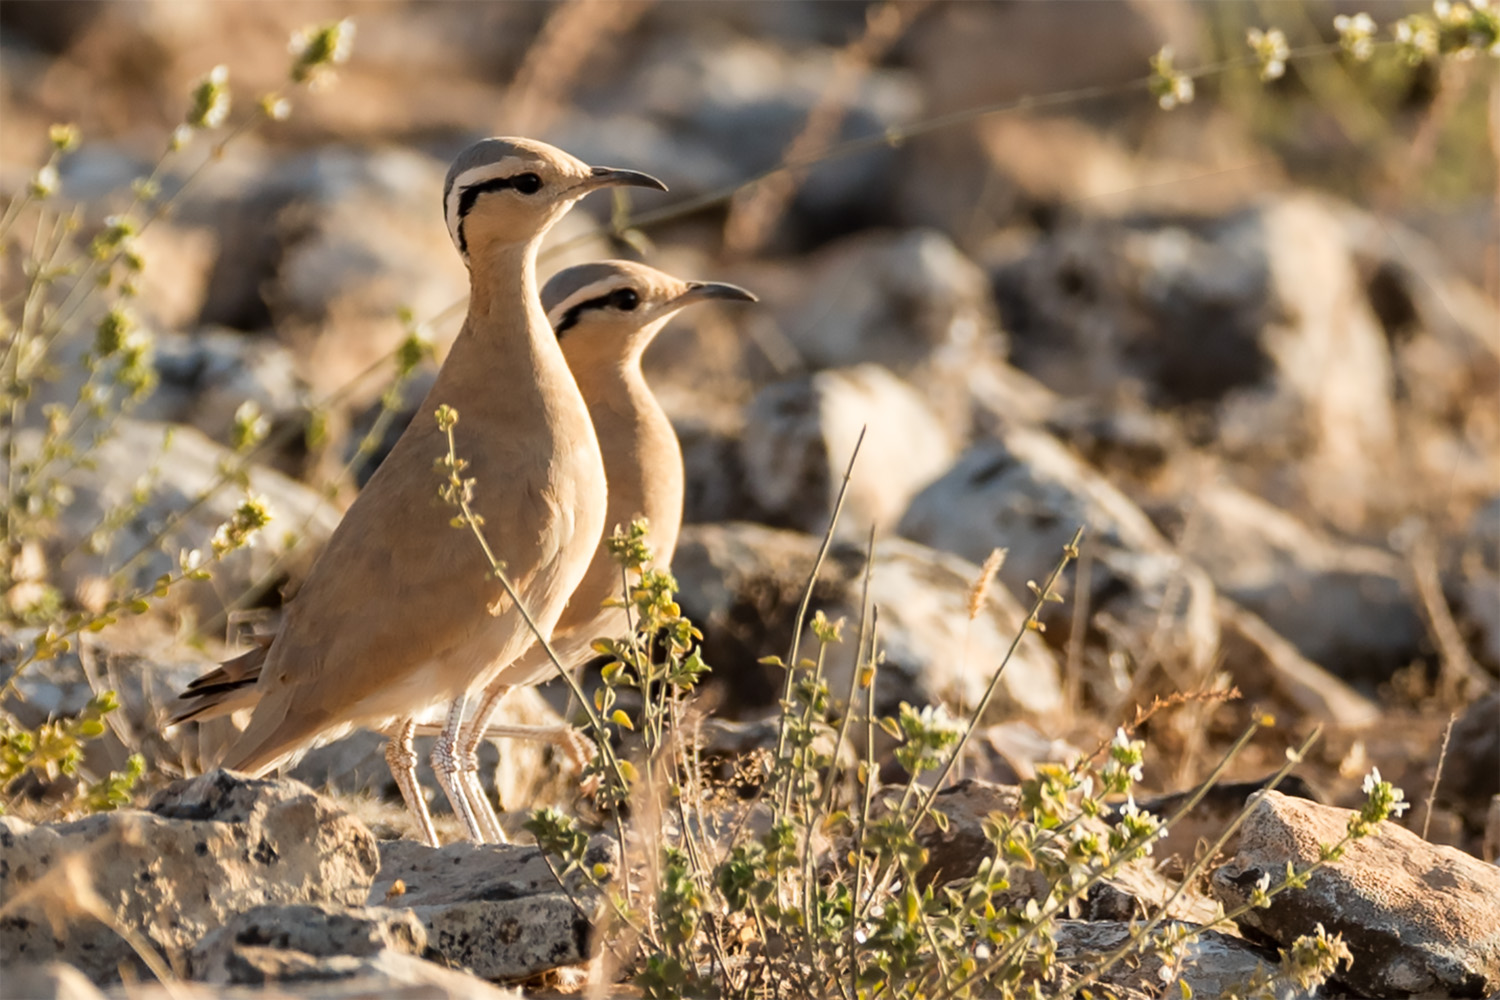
x,y
1261,365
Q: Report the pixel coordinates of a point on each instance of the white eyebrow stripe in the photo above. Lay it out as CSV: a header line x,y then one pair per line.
x,y
601,287
475,175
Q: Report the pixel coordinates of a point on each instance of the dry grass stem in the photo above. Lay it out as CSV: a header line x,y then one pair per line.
x,y
1437,775
1460,675
753,210
572,35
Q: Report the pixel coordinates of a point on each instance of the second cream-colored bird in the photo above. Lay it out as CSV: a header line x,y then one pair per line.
x,y
401,613
605,315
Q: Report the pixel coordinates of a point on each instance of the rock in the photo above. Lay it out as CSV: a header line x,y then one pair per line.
x,y
496,909
206,849
465,872
359,236
1297,378
1471,773
742,583
206,376
1214,964
1349,608
1007,753
909,301
737,757
178,467
509,939
230,953
260,971
799,436
1440,324
734,104
1420,920
1211,817
1263,664
52,981
59,688
1025,492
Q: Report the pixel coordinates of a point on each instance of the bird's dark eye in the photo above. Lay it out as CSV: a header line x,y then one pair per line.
x,y
624,299
526,183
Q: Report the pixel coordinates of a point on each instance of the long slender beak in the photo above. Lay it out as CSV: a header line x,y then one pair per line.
x,y
700,291
604,177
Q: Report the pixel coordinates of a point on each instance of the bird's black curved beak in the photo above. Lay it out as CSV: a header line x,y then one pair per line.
x,y
700,291
603,177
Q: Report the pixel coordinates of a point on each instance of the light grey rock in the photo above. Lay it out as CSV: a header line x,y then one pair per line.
x,y
270,972
1264,664
177,467
461,872
51,981
1347,607
1419,919
207,849
1008,753
1025,492
495,909
359,236
206,376
800,435
910,301
230,953
741,584
509,939
1297,378
741,101
1214,964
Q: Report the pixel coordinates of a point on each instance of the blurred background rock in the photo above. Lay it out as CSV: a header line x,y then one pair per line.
x,y
1252,342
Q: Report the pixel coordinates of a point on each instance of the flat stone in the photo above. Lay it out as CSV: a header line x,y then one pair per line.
x,y
304,931
206,850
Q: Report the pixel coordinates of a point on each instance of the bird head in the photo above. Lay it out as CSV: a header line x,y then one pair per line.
x,y
510,191
615,307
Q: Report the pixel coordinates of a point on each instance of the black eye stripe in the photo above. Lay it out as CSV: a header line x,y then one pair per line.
x,y
469,195
575,313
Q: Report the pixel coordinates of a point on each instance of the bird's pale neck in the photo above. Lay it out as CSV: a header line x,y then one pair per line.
x,y
607,363
500,276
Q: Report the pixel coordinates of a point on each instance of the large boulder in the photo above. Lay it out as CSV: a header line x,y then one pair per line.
x,y
1347,607
495,908
1024,491
1258,320
800,435
255,945
150,492
1419,919
205,850
742,583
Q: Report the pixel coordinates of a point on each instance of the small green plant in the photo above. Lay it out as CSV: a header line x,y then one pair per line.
x,y
73,313
56,749
822,886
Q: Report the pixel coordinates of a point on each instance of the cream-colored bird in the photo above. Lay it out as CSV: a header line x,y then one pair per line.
x,y
605,315
401,613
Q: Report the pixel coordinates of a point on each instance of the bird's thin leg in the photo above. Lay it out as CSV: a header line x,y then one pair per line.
x,y
402,761
468,764
445,765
